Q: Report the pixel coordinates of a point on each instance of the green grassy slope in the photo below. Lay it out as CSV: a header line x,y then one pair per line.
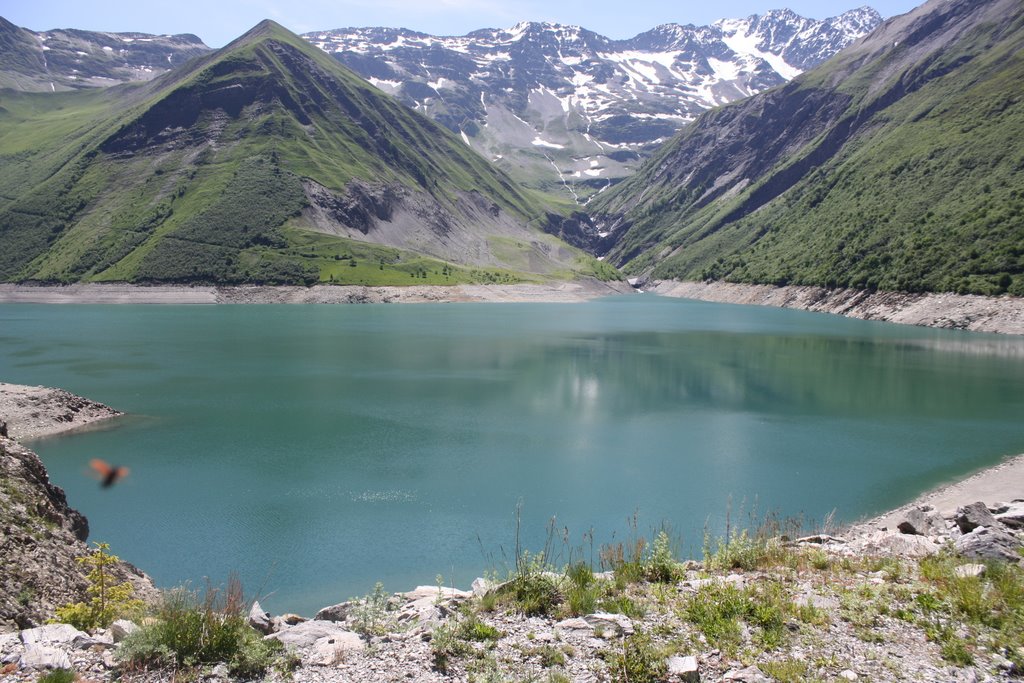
x,y
202,175
897,165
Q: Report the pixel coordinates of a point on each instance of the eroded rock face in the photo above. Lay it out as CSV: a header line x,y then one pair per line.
x,y
40,537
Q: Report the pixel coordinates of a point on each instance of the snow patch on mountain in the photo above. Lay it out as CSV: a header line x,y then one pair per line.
x,y
543,97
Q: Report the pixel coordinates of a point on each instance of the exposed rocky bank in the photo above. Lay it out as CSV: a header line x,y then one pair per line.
x,y
95,293
33,412
1004,315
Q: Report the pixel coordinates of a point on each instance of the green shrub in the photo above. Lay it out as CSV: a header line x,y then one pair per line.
x,y
58,676
107,601
471,628
533,589
660,564
446,645
716,610
639,661
188,631
372,615
582,589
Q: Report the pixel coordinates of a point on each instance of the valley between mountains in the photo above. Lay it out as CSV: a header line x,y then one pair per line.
x,y
850,152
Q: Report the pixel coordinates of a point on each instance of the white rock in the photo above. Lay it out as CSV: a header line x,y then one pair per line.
x,y
970,570
749,675
482,587
330,651
437,593
848,675
424,611
259,619
220,671
51,634
44,657
895,543
574,624
122,628
309,632
684,669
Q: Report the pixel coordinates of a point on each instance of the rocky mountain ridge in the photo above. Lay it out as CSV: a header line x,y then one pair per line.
x,y
264,162
893,166
559,105
71,59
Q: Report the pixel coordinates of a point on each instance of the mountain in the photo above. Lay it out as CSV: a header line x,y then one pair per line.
x,y
566,110
266,161
897,165
68,59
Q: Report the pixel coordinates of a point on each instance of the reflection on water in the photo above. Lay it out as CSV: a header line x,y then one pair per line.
x,y
316,450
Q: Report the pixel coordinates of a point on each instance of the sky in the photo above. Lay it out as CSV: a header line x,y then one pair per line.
x,y
218,22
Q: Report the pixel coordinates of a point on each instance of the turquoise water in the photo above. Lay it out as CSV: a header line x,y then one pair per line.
x,y
318,449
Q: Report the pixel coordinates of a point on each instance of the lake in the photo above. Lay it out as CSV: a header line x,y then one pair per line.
x,y
316,450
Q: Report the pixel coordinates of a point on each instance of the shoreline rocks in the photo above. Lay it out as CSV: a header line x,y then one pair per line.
x,y
1003,315
33,412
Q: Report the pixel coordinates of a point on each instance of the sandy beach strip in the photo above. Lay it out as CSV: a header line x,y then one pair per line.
x,y
96,293
34,412
1002,483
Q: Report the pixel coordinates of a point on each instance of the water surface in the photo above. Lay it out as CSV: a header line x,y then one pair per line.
x,y
318,449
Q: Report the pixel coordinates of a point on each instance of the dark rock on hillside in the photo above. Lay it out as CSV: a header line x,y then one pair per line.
x,y
923,521
986,543
40,537
970,517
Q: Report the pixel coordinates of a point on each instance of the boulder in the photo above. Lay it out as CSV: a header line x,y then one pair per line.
x,y
424,611
329,651
309,632
923,521
749,675
337,612
894,543
440,593
986,543
607,625
121,629
574,624
482,586
1012,515
44,657
970,517
683,669
260,620
51,634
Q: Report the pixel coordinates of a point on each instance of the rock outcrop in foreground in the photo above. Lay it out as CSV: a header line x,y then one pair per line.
x,y
930,594
40,538
879,605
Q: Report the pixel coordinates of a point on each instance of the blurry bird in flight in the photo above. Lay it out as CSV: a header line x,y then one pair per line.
x,y
108,474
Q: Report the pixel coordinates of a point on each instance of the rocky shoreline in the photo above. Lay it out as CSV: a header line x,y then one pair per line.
x,y
95,293
1003,315
35,412
845,605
